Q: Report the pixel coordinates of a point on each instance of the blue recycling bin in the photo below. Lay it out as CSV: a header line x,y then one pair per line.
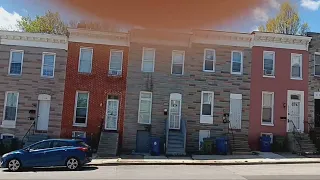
x,y
155,146
222,145
265,143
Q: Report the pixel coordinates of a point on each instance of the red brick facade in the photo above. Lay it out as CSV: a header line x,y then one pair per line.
x,y
98,84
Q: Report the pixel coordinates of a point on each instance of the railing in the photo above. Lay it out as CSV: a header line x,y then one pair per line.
x,y
230,128
167,133
184,132
28,132
296,134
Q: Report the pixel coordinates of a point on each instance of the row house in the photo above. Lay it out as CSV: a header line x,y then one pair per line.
x,y
279,85
32,83
184,87
94,96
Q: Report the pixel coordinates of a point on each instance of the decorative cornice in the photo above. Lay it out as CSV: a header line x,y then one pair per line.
x,y
98,37
33,40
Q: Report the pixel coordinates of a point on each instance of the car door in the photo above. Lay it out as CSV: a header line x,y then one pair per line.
x,y
60,152
36,154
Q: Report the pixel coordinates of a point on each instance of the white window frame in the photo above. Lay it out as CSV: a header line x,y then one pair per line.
x,y
207,119
314,64
6,134
272,112
274,64
301,76
149,99
9,123
75,110
90,48
10,60
106,116
54,63
111,51
172,57
153,60
214,60
241,66
81,132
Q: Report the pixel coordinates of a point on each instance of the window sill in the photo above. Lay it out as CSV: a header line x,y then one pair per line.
x,y
15,75
110,129
265,124
235,73
212,71
84,73
265,76
47,77
299,79
144,123
7,126
80,125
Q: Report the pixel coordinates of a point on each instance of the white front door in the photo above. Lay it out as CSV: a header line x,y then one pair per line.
x,y
295,111
111,120
175,111
43,115
235,111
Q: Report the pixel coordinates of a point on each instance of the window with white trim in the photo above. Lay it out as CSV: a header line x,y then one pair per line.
x,y
296,66
78,134
148,60
317,64
115,64
7,136
81,109
48,64
145,107
177,66
267,108
236,62
209,61
16,62
85,60
268,63
10,108
207,103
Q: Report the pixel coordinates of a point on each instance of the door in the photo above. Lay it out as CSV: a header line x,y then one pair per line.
x,y
317,113
295,111
36,155
235,111
43,112
111,120
175,111
142,141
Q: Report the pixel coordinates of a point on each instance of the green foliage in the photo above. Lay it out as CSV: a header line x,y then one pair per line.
x,y
287,21
50,23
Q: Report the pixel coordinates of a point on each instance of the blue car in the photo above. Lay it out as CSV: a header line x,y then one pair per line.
x,y
71,153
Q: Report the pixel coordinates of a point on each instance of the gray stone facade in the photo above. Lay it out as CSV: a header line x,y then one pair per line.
x,y
194,80
30,84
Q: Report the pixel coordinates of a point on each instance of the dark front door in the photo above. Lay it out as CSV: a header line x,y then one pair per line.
x,y
142,142
317,112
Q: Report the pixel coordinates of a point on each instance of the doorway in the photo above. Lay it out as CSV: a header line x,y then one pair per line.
x,y
295,111
43,112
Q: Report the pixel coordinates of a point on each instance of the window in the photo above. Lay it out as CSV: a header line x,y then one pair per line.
x,y
81,110
148,59
296,66
10,109
268,63
41,145
177,65
85,60
7,136
267,108
236,62
112,113
115,65
56,144
317,64
145,105
207,99
209,60
48,64
78,134
16,61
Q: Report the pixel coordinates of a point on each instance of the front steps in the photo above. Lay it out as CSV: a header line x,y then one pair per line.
x,y
301,144
175,144
239,143
108,144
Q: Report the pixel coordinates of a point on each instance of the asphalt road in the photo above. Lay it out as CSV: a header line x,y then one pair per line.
x,y
254,172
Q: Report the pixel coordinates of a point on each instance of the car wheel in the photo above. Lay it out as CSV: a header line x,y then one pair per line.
x,y
72,164
14,165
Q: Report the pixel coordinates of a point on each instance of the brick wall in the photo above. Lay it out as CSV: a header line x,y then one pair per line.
x,y
189,85
97,83
30,85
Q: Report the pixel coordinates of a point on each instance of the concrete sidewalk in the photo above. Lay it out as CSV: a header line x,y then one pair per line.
x,y
261,158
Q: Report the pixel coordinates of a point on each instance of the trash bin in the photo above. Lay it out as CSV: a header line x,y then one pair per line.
x,y
155,146
222,145
265,143
208,146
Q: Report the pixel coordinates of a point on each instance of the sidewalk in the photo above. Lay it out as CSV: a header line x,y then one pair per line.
x,y
261,158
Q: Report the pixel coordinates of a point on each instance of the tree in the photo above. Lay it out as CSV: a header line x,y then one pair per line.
x,y
50,23
95,26
287,21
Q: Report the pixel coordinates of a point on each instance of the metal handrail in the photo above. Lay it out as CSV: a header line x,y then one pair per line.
x,y
184,132
25,135
295,131
230,128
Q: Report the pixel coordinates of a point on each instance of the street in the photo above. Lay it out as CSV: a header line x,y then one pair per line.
x,y
250,172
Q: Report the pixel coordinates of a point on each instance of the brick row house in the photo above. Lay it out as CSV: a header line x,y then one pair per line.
x,y
94,95
32,83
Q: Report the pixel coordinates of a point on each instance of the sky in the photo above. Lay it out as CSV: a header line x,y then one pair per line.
x,y
309,10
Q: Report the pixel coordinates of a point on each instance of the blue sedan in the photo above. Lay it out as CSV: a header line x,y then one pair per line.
x,y
70,153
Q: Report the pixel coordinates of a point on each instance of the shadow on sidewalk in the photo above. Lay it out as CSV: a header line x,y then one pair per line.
x,y
52,169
